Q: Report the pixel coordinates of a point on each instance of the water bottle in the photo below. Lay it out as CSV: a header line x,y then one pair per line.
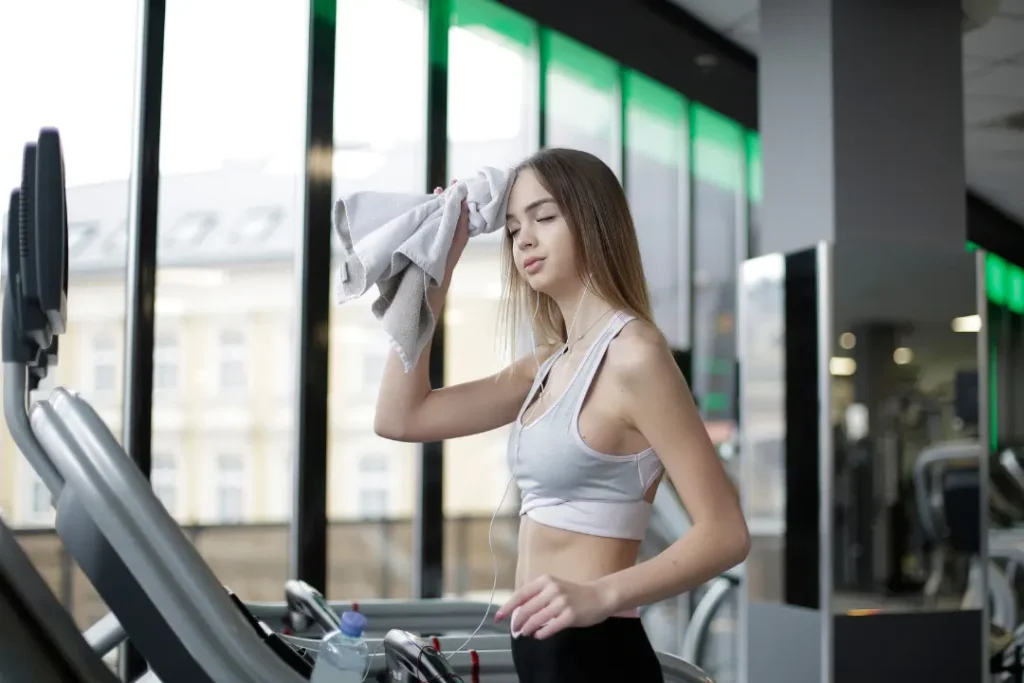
x,y
343,653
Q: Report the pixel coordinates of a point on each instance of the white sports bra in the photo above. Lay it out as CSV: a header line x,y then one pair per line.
x,y
565,483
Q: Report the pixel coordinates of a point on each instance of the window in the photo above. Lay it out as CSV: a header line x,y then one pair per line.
x,y
492,57
256,225
233,360
164,478
230,488
232,166
381,57
42,501
717,150
486,35
374,486
166,360
190,230
116,242
375,351
80,236
76,68
582,108
104,364
655,159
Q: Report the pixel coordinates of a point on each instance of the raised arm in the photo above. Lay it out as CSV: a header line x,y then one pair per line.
x,y
408,409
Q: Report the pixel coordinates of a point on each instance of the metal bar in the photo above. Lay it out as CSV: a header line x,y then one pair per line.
x,y
543,56
428,522
308,538
986,374
67,580
140,276
385,568
622,148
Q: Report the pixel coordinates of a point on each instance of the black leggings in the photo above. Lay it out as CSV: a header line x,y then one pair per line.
x,y
614,650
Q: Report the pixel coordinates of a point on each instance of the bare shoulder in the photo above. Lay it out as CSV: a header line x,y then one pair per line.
x,y
640,351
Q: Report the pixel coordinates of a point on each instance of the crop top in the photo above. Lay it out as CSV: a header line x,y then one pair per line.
x,y
566,484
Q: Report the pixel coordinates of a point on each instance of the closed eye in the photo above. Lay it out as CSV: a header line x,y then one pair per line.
x,y
546,219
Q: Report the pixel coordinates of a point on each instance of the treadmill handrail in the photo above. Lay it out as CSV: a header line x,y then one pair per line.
x,y
929,457
495,657
105,635
151,544
700,622
16,414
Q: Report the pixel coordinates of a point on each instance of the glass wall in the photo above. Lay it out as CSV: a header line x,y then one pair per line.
x,y
755,193
379,144
657,186
717,148
230,210
87,90
582,108
492,58
229,213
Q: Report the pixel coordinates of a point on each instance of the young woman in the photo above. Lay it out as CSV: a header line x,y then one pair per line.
x,y
600,412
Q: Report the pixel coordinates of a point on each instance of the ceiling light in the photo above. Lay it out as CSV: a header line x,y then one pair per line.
x,y
968,323
902,356
842,367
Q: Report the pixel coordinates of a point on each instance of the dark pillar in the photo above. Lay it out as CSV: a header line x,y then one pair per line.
x,y
861,120
140,275
313,269
428,524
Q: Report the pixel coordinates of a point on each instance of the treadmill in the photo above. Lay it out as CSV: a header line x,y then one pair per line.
x,y
187,626
39,642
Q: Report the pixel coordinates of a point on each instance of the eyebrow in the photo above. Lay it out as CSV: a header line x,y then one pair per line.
x,y
531,206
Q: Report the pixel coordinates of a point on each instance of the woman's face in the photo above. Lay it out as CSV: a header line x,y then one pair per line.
x,y
542,244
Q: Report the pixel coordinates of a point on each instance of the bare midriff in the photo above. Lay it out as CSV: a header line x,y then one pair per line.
x,y
569,555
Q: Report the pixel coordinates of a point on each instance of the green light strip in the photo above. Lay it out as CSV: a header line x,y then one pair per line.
x,y
1004,283
494,18
718,148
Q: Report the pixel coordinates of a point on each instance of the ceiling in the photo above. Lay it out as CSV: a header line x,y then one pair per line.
x,y
993,90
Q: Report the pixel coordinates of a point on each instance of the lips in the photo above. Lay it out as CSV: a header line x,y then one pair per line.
x,y
532,264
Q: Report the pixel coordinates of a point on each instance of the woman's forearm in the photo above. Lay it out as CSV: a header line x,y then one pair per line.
x,y
704,552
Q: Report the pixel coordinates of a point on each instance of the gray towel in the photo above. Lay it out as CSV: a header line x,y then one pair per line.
x,y
400,243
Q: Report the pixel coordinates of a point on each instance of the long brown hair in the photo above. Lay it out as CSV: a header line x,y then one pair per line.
x,y
607,252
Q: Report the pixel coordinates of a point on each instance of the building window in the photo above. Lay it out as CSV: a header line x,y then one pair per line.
x,y
230,488
104,365
233,374
190,230
80,236
164,478
42,501
166,360
257,225
375,351
374,497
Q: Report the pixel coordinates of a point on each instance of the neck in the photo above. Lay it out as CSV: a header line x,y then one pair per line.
x,y
581,310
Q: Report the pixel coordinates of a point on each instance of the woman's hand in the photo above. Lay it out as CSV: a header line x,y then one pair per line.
x,y
460,240
547,605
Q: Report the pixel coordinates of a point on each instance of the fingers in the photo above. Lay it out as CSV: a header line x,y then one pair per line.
x,y
553,609
562,621
520,597
440,190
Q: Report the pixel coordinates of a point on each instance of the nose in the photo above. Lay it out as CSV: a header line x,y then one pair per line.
x,y
525,238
